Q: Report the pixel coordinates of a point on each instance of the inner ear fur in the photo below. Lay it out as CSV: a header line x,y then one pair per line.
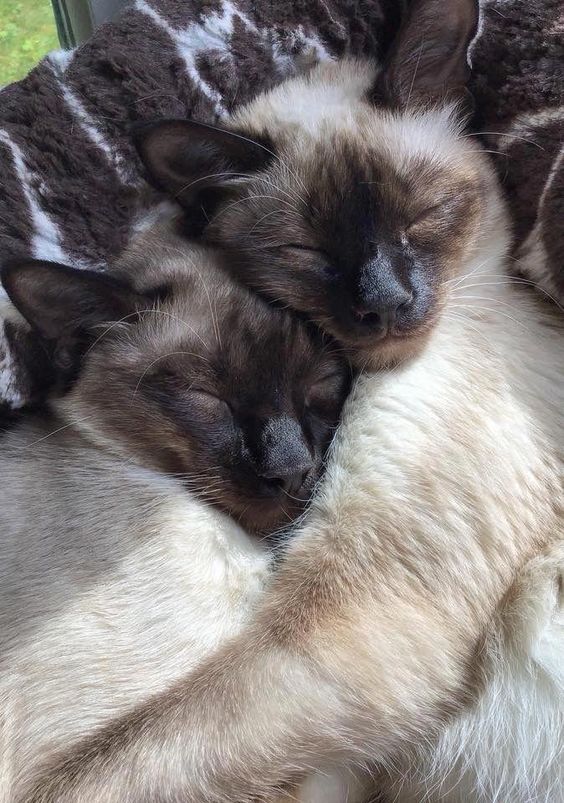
x,y
428,61
60,302
64,306
198,164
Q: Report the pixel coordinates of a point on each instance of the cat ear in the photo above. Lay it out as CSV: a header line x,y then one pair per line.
x,y
63,303
192,161
429,58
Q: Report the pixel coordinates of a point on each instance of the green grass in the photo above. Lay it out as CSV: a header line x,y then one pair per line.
x,y
27,32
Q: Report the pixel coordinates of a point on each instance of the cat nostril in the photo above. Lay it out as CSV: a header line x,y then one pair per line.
x,y
289,484
382,315
292,483
366,317
375,318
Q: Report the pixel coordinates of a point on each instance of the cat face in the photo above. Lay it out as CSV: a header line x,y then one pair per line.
x,y
238,400
361,238
348,194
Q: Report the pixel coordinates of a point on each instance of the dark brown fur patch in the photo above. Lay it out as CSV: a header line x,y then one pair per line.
x,y
304,238
237,399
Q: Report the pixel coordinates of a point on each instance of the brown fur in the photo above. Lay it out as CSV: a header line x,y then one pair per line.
x,y
198,378
367,640
336,216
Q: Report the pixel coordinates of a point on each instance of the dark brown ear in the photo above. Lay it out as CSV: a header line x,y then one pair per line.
x,y
193,162
428,60
62,303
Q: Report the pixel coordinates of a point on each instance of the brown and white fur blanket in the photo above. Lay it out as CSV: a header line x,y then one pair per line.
x,y
72,188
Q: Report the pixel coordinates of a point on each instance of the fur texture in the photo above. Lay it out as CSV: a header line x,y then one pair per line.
x,y
509,744
70,119
444,480
115,578
114,582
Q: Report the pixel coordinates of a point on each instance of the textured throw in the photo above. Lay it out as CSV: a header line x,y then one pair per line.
x,y
71,184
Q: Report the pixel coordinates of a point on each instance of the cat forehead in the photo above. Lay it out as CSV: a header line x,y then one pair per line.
x,y
230,328
330,91
332,102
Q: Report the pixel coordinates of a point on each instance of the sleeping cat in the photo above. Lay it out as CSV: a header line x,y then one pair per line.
x,y
182,397
325,200
366,208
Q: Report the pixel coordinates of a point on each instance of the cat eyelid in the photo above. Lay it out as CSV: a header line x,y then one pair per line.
x,y
427,212
301,247
204,392
328,377
197,391
326,381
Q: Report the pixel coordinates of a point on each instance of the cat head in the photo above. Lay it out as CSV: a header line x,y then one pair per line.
x,y
201,380
348,194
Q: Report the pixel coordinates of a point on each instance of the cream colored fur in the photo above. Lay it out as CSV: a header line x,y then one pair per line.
x,y
509,745
417,573
114,581
113,584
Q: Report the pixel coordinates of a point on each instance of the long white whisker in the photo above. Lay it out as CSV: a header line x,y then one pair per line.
x,y
255,198
489,309
204,178
55,431
508,279
505,134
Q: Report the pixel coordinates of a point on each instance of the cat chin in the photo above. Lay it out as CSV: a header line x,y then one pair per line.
x,y
262,517
387,353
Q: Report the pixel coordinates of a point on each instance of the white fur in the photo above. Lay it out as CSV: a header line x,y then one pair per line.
x,y
113,583
140,582
510,745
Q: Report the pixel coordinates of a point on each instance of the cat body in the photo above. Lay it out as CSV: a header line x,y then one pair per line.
x,y
119,569
445,479
114,582
380,629
508,745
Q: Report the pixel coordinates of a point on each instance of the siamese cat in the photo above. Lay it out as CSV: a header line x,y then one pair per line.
x,y
188,414
426,576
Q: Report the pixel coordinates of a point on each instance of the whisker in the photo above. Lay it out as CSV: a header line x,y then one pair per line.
x,y
162,357
260,220
415,72
456,280
489,309
505,134
210,175
508,279
255,198
485,298
55,431
152,311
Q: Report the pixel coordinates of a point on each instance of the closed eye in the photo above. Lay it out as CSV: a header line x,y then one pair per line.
x,y
426,213
208,401
326,390
308,248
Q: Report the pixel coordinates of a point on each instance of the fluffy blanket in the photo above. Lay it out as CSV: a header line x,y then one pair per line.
x,y
71,184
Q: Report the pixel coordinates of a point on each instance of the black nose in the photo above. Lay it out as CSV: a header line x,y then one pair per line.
x,y
285,459
381,314
291,483
381,296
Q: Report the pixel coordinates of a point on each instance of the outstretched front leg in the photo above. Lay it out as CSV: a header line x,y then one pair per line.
x,y
329,671
364,641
